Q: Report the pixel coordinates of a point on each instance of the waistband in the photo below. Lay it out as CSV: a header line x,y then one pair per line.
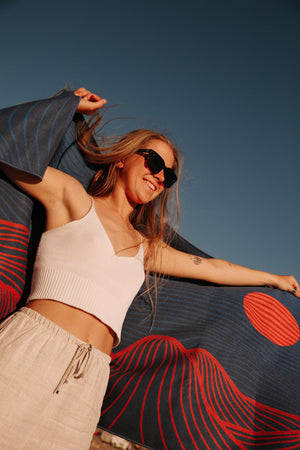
x,y
55,330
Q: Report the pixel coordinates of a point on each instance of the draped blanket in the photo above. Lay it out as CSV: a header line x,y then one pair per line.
x,y
218,368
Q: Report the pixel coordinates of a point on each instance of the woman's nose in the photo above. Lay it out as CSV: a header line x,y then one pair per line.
x,y
160,176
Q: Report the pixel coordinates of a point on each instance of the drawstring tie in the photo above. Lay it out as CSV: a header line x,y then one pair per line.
x,y
77,365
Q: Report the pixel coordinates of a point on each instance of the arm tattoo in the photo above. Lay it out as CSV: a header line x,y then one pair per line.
x,y
197,260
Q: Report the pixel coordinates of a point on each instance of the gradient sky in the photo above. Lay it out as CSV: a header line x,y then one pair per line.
x,y
220,77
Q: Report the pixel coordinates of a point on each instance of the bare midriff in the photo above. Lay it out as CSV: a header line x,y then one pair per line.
x,y
77,322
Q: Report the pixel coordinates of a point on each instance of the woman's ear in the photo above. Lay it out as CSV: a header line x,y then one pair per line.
x,y
120,164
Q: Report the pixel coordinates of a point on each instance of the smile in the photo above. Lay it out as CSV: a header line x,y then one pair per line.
x,y
151,185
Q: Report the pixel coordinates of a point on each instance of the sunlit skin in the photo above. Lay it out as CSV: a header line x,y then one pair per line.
x,y
65,200
136,185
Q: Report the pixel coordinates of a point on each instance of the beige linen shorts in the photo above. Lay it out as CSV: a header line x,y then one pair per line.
x,y
52,385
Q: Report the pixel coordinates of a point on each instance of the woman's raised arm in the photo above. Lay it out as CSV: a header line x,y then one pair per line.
x,y
58,192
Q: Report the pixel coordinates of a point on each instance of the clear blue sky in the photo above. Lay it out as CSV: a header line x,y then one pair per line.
x,y
221,77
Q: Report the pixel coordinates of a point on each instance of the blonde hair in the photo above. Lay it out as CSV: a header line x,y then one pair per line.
x,y
154,219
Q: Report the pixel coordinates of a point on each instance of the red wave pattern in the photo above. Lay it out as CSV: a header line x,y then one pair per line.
x,y
13,262
195,400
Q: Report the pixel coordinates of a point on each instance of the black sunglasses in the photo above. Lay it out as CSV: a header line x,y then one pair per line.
x,y
155,164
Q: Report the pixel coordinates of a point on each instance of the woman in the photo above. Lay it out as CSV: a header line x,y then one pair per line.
x,y
89,266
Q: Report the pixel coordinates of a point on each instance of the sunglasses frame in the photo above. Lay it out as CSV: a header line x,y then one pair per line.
x,y
158,165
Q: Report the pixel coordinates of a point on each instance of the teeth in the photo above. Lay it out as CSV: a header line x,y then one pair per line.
x,y
151,186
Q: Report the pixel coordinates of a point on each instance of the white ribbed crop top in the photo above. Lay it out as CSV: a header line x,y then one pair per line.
x,y
76,264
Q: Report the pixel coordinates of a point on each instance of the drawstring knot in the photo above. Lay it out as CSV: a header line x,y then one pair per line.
x,y
77,365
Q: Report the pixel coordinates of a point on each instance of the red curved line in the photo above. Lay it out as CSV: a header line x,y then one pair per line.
x,y
254,405
278,413
216,419
13,257
170,397
192,366
181,403
216,379
241,404
159,395
13,248
144,400
17,241
13,234
131,355
8,294
255,412
107,395
221,400
127,370
273,435
14,225
196,370
269,440
246,408
203,391
199,378
230,391
118,380
5,264
124,357
14,273
18,288
11,261
294,446
232,400
133,392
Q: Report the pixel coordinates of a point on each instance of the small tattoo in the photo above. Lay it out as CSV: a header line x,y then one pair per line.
x,y
197,260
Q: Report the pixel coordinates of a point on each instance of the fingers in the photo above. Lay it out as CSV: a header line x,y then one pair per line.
x,y
294,286
288,283
81,92
84,93
89,102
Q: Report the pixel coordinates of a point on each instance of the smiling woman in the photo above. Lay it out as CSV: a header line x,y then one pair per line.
x,y
88,268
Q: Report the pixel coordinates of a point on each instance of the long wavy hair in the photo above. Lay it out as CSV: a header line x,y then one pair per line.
x,y
154,220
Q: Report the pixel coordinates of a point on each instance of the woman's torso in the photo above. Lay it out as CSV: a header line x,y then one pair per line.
x,y
82,324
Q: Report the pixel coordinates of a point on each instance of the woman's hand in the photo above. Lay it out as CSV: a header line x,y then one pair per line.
x,y
286,283
89,102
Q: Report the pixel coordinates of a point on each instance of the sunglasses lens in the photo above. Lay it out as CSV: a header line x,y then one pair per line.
x,y
155,163
170,177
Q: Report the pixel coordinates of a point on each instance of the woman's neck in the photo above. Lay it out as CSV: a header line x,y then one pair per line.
x,y
120,203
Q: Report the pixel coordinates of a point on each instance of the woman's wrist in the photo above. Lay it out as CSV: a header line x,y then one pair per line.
x,y
271,279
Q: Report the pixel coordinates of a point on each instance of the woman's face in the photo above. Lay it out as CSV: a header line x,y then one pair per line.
x,y
140,184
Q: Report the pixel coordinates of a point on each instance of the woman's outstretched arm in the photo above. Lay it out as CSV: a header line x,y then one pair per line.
x,y
172,262
57,191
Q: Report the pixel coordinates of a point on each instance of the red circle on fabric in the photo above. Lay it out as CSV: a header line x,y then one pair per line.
x,y
271,318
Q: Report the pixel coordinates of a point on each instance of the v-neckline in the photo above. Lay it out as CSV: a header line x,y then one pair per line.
x,y
140,245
